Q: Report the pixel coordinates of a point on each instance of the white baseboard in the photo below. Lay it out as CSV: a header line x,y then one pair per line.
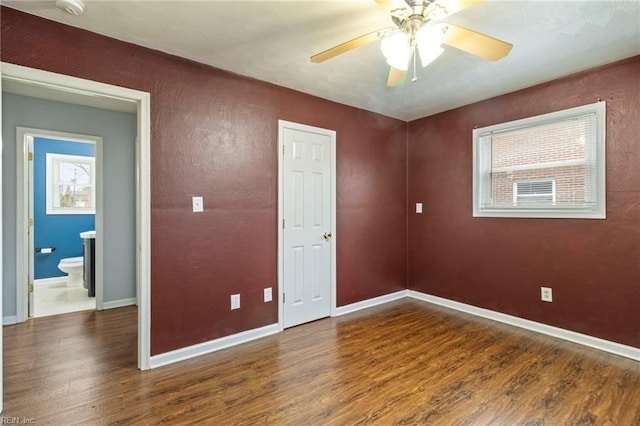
x,y
212,346
561,333
11,320
52,280
249,335
353,307
119,303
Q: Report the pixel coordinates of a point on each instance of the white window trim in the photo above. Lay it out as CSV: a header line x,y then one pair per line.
x,y
479,166
52,182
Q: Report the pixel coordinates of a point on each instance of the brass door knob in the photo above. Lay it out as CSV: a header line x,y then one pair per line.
x,y
326,235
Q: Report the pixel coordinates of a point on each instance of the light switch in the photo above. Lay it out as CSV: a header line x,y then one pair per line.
x,y
198,205
268,296
418,207
235,301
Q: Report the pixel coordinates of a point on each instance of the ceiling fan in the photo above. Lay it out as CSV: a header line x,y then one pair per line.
x,y
419,26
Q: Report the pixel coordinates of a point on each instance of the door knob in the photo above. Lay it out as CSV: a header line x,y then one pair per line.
x,y
326,235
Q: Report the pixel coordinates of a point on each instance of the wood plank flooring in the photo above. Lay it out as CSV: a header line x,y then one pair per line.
x,y
403,363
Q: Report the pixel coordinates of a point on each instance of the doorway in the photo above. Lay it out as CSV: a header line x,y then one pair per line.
x,y
47,85
63,210
307,216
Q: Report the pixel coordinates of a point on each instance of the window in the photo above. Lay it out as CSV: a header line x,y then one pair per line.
x,y
551,165
70,184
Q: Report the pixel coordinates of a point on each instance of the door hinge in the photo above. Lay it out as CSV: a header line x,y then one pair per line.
x,y
282,223
30,221
284,297
30,288
283,150
30,156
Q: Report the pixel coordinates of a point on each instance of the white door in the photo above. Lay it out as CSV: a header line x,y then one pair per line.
x,y
307,213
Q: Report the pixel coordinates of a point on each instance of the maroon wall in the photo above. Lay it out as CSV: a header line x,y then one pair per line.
x,y
593,266
214,134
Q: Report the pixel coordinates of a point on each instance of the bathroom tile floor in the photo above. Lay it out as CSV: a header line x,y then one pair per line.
x,y
54,297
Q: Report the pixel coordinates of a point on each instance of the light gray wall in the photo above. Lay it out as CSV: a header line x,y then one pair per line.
x,y
118,131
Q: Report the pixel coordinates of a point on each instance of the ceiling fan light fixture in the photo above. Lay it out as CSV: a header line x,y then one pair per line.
x,y
429,40
396,48
415,29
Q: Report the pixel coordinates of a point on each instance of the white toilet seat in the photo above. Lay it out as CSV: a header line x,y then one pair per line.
x,y
72,261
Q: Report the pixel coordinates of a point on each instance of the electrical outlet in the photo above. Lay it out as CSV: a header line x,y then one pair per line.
x,y
546,294
418,207
268,296
235,301
198,204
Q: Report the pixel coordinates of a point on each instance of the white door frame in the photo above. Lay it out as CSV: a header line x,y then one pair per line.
x,y
1,255
24,210
109,93
282,124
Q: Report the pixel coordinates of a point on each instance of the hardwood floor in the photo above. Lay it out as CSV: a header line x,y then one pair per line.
x,y
405,362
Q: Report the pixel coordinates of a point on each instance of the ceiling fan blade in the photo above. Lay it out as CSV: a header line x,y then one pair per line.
x,y
349,45
396,77
476,43
453,6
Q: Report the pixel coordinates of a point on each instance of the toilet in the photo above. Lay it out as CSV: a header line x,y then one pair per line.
x,y
73,266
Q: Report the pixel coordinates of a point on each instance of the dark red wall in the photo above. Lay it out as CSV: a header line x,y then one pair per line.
x,y
593,266
214,134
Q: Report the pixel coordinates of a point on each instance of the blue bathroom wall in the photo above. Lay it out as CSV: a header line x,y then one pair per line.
x,y
56,230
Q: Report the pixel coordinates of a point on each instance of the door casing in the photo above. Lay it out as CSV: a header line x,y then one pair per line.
x,y
282,124
73,88
24,211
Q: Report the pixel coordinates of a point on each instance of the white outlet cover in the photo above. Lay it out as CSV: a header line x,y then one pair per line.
x,y
198,204
546,294
268,296
235,301
418,207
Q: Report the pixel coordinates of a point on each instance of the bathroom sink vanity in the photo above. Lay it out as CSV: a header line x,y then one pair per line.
x,y
89,257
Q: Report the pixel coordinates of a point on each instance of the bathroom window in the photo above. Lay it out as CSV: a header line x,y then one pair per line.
x,y
70,184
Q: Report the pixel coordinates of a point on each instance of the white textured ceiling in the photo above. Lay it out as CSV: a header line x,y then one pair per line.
x,y
273,40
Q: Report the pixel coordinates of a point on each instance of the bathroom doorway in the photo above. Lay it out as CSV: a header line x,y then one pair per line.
x,y
64,209
75,91
80,91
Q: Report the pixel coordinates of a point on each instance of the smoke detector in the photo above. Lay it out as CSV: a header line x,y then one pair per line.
x,y
72,7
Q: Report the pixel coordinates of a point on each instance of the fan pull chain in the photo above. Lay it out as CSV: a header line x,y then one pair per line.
x,y
415,77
